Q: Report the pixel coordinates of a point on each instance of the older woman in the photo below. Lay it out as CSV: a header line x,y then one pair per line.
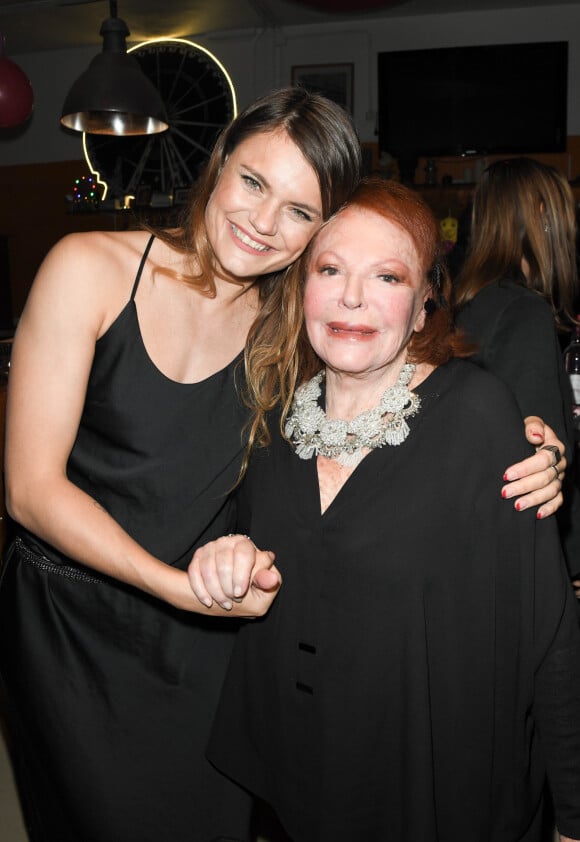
x,y
419,672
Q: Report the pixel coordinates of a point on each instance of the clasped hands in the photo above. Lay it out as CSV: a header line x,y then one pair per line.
x,y
232,572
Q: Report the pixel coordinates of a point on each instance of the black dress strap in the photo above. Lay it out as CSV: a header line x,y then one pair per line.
x,y
141,265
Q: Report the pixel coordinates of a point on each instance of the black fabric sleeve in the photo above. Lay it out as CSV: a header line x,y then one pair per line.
x,y
524,352
533,590
522,349
556,707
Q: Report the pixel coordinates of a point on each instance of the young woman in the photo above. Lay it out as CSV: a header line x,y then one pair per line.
x,y
124,437
419,671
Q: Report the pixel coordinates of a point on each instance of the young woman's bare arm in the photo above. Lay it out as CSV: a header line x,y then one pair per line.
x,y
79,290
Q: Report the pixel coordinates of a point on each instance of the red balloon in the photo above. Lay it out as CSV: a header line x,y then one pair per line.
x,y
16,96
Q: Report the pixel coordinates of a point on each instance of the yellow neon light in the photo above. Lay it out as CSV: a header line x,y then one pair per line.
x,y
196,46
94,172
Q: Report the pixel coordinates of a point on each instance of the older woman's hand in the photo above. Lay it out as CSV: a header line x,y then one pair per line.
x,y
230,569
537,481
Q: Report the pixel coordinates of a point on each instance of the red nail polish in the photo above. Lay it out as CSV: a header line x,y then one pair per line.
x,y
505,477
539,515
504,492
518,506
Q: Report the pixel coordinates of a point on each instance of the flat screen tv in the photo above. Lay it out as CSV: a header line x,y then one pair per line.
x,y
497,99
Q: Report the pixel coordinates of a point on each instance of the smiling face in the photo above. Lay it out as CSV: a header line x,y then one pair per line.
x,y
364,297
265,208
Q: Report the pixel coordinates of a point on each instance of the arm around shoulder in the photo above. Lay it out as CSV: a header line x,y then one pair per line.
x,y
537,480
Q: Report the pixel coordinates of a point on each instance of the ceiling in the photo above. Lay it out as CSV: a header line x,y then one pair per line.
x,y
32,25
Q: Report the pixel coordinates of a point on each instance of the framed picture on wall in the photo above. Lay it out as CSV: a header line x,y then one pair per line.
x,y
335,81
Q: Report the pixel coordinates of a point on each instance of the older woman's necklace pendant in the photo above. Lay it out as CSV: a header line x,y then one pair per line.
x,y
346,442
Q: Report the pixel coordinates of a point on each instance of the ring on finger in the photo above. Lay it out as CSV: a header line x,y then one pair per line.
x,y
555,452
554,468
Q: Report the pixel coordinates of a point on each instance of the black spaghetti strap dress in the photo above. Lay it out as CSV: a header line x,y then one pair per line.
x,y
109,693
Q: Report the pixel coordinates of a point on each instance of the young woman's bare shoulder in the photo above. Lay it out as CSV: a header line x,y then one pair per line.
x,y
103,256
103,263
92,271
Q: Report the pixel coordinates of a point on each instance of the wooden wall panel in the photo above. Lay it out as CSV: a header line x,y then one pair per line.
x,y
34,215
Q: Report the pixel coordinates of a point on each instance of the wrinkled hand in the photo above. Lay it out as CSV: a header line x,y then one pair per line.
x,y
236,575
533,482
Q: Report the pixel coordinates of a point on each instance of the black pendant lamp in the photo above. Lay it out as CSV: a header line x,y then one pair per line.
x,y
113,96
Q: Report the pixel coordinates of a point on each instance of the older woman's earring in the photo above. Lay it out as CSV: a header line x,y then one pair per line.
x,y
430,306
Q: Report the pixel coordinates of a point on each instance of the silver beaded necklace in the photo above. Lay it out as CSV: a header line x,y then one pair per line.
x,y
312,433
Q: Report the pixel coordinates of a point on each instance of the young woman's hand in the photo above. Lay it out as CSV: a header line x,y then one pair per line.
x,y
233,570
537,480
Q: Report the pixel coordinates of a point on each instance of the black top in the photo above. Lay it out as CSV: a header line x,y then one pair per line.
x,y
159,456
517,340
111,691
423,639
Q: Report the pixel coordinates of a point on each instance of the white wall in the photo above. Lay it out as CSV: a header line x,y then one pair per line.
x,y
262,59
